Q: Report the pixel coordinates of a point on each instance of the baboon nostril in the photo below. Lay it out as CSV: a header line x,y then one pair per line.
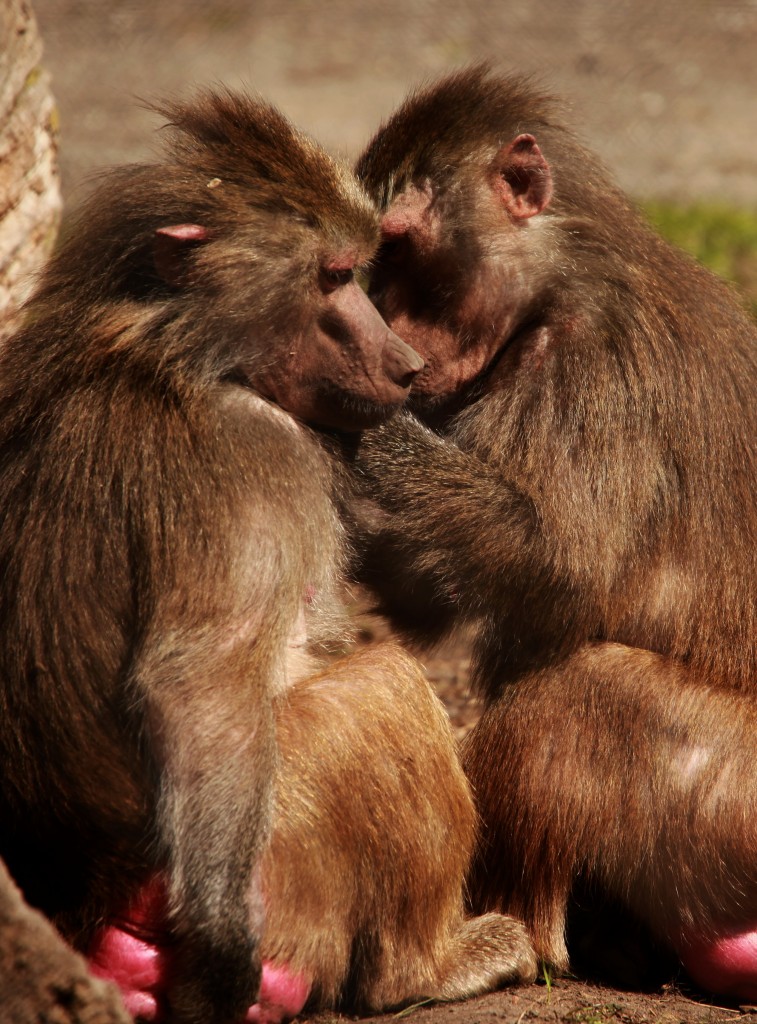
x,y
401,363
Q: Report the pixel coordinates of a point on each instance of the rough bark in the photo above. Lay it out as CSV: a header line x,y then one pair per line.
x,y
41,978
30,200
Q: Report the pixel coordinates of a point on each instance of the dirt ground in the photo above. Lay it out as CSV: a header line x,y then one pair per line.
x,y
663,89
570,1001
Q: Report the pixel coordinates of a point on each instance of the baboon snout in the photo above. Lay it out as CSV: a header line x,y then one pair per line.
x,y
401,363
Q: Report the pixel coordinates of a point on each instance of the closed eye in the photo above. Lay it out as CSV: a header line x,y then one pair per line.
x,y
332,278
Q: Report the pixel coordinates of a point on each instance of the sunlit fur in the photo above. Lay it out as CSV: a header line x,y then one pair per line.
x,y
587,504
164,530
373,835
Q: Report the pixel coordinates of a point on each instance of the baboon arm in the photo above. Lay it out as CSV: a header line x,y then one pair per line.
x,y
443,503
447,530
212,731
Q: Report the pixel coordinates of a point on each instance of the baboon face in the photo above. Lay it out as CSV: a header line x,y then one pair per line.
x,y
344,368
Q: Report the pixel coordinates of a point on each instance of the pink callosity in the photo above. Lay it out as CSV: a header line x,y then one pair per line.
x,y
136,967
282,995
136,954
726,965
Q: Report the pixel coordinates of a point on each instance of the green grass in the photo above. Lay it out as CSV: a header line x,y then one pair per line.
x,y
547,978
723,238
412,1008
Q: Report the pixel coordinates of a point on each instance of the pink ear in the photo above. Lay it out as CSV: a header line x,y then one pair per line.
x,y
523,178
171,247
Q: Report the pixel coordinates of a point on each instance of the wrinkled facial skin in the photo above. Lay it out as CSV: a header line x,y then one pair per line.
x,y
415,286
345,370
439,292
454,274
341,368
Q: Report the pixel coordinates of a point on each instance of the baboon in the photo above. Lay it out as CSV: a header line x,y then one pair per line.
x,y
577,483
172,557
168,534
373,834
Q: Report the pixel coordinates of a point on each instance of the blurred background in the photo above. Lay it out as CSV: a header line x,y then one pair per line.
x,y
664,90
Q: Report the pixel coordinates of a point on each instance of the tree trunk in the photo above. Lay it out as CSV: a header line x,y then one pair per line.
x,y
41,979
30,200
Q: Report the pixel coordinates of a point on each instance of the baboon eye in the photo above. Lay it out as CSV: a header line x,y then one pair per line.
x,y
332,278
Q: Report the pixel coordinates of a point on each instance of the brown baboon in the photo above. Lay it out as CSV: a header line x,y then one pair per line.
x,y
371,781
166,531
373,832
171,558
578,484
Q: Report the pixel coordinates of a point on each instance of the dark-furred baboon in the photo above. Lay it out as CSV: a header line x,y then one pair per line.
x,y
578,483
171,559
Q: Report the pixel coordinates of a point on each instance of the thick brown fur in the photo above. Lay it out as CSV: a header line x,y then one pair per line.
x,y
626,770
372,793
582,494
168,537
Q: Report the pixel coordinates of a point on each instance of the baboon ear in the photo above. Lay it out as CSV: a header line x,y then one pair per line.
x,y
171,246
523,179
